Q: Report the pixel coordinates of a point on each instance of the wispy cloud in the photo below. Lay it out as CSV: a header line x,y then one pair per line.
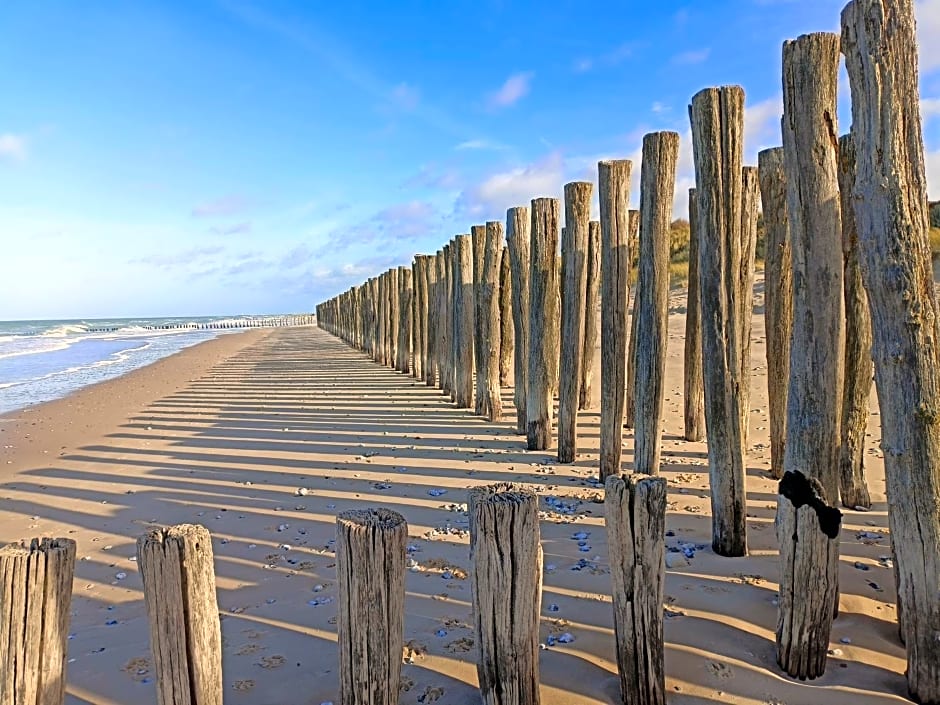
x,y
226,205
513,187
513,89
401,222
928,29
235,229
688,58
929,108
179,259
613,57
480,144
432,176
660,108
13,147
406,96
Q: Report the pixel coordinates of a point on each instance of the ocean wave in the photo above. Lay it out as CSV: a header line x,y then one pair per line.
x,y
64,330
114,359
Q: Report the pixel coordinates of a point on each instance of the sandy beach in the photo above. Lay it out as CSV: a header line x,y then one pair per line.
x,y
224,433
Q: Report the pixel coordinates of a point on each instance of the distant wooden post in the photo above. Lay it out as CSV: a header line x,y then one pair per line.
x,y
614,190
506,586
517,242
542,375
629,411
693,384
185,631
635,513
890,195
750,207
778,297
418,312
370,571
406,347
489,326
573,287
447,319
858,363
35,604
809,559
382,320
506,336
717,117
478,243
464,300
432,332
394,316
591,314
657,186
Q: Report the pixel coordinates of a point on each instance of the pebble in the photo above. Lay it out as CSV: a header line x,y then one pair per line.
x,y
120,576
302,491
676,560
436,492
552,607
860,566
441,633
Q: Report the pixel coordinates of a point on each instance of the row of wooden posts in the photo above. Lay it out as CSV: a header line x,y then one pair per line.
x,y
846,227
176,566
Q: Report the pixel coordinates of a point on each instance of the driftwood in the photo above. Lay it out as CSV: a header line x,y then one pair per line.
x,y
693,384
517,242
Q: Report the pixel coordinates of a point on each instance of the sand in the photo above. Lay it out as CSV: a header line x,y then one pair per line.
x,y
224,433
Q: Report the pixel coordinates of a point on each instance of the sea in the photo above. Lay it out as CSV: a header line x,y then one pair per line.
x,y
45,360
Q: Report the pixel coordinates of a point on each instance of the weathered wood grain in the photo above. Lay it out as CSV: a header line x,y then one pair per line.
x,y
517,242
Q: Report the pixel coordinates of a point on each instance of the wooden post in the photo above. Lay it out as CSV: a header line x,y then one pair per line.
x,y
447,317
35,604
489,326
542,375
506,337
614,190
750,207
635,516
382,323
370,572
185,631
506,586
808,557
478,243
717,117
464,300
629,411
419,316
657,186
406,319
517,242
890,198
858,363
591,314
394,317
693,383
432,333
573,287
778,297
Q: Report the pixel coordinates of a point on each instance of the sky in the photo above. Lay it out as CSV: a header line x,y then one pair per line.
x,y
216,157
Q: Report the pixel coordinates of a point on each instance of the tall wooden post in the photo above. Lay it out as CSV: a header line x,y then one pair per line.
x,y
394,316
478,246
750,207
629,411
35,604
406,318
185,632
635,512
693,384
432,334
506,337
890,195
657,186
717,117
573,286
370,621
859,367
809,557
778,297
447,316
542,376
489,326
517,243
464,301
591,314
614,190
419,316
382,320
506,586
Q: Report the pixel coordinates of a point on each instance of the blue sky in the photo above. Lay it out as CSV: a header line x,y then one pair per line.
x,y
233,156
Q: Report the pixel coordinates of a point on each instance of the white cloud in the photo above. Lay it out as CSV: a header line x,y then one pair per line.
x,y
515,88
660,107
227,205
929,108
480,144
691,57
927,13
932,160
13,147
514,187
762,127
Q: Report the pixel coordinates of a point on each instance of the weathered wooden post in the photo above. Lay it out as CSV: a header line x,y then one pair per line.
x,y
542,375
382,311
630,393
778,297
506,337
809,555
506,586
489,326
370,572
447,316
717,117
858,363
35,603
573,287
433,335
591,314
464,301
185,631
890,196
750,207
693,383
517,242
478,246
419,316
657,186
614,190
635,516
394,316
406,319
